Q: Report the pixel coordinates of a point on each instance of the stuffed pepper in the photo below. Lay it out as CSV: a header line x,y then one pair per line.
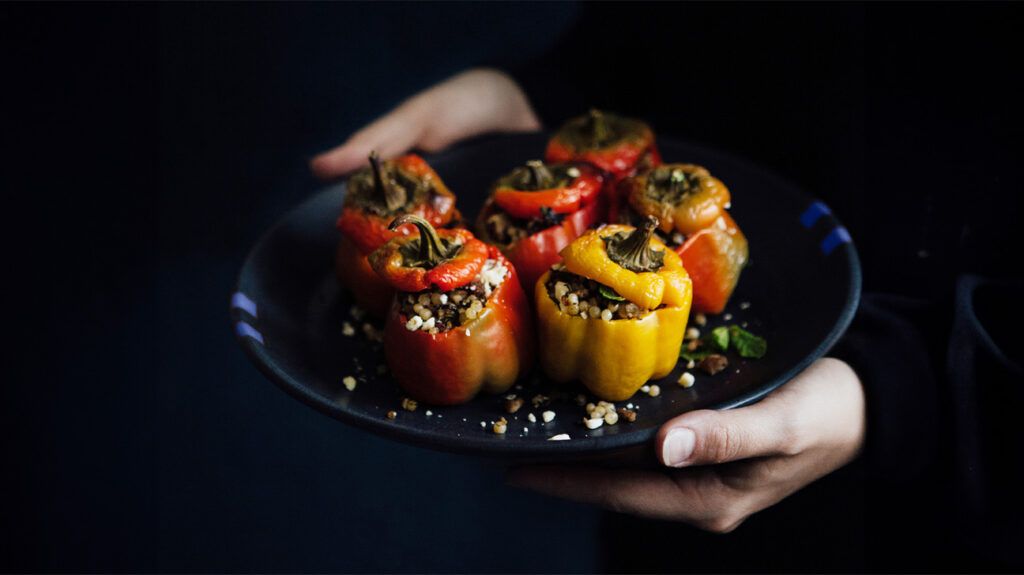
x,y
612,315
459,322
537,209
376,194
691,205
617,145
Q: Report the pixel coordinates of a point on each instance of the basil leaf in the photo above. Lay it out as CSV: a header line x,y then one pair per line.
x,y
609,293
747,344
719,338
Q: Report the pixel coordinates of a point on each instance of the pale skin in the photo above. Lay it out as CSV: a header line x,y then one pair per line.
x,y
717,467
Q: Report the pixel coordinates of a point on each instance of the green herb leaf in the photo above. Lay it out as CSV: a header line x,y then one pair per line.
x,y
609,293
719,338
747,344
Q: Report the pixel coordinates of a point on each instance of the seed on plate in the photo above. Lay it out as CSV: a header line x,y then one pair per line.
x,y
429,413
692,333
593,423
744,305
727,317
548,416
559,437
347,329
687,379
691,364
628,414
392,414
512,405
532,418
646,389
349,382
611,418
409,404
500,426
599,411
700,319
655,391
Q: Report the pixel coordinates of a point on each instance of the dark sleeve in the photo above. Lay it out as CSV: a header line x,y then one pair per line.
x,y
944,401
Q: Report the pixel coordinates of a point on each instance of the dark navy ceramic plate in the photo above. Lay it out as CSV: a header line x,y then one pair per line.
x,y
800,292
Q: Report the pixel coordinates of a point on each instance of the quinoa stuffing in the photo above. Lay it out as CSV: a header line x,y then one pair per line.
x,y
434,311
588,299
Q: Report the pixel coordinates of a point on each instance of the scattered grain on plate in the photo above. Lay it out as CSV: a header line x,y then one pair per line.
x,y
372,333
713,363
548,416
691,364
349,382
539,400
655,391
692,333
347,330
513,404
559,437
700,319
627,414
409,404
593,423
356,312
687,379
727,317
500,426
429,413
483,424
532,418
646,389
392,414
611,418
744,305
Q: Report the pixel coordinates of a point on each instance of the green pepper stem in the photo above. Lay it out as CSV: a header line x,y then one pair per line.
x,y
394,196
540,176
634,252
432,250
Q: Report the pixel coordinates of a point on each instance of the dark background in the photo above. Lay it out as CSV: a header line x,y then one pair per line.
x,y
146,147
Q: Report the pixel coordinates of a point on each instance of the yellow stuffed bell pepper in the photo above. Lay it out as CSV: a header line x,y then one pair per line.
x,y
613,314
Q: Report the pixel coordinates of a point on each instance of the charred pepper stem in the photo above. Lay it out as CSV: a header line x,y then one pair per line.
x,y
633,251
394,196
432,249
598,127
539,176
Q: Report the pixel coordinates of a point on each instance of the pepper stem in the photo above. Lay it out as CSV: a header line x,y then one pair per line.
x,y
394,196
432,249
598,127
540,176
633,251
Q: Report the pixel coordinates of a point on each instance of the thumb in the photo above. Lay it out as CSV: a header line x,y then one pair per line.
x,y
709,436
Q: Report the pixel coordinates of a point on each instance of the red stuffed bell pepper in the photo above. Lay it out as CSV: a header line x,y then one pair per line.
x,y
691,205
459,322
375,196
537,209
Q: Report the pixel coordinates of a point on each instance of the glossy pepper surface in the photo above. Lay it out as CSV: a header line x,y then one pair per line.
x,y
615,144
487,353
714,258
613,359
556,203
685,198
375,195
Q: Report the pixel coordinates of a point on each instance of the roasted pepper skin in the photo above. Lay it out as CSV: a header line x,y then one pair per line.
x,y
582,191
696,211
588,257
363,231
619,159
613,359
389,262
487,354
534,254
714,258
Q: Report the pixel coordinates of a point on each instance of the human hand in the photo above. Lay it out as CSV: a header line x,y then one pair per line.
x,y
724,466
473,102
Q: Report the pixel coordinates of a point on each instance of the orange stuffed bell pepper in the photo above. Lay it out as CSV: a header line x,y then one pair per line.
x,y
375,196
459,323
617,145
537,209
613,314
691,205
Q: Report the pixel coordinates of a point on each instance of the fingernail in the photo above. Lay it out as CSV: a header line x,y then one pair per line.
x,y
678,447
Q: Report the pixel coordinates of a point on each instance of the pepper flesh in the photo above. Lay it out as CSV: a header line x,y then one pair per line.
x,y
464,259
613,359
714,258
687,209
588,257
580,203
486,354
364,228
